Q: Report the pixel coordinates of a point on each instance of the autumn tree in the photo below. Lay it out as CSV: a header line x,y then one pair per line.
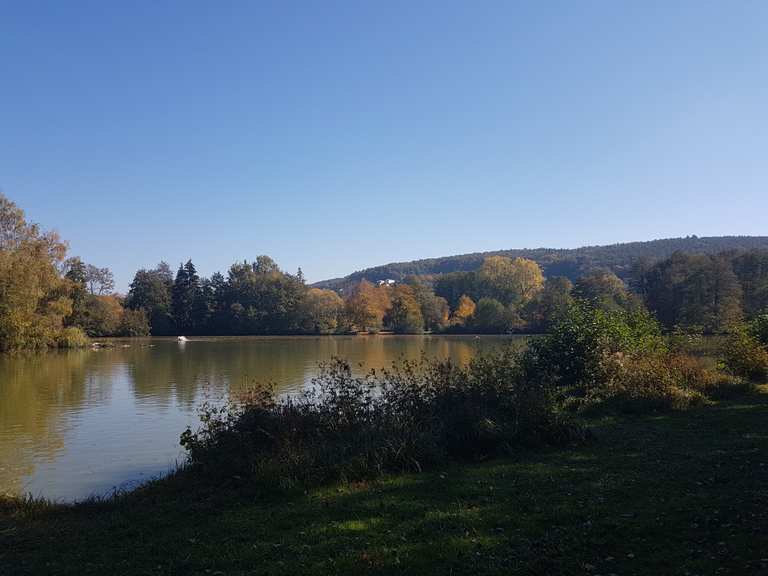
x,y
103,316
464,311
322,311
510,281
34,298
605,290
404,314
366,305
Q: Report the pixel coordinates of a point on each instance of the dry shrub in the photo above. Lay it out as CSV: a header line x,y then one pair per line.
x,y
663,381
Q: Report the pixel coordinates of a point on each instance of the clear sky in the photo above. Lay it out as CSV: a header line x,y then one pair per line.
x,y
340,135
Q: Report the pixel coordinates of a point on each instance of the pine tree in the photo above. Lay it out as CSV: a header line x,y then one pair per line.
x,y
185,293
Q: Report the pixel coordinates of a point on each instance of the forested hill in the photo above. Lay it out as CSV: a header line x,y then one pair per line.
x,y
571,263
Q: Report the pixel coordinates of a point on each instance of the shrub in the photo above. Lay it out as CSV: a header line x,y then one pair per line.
x,y
575,356
662,381
419,414
649,383
745,356
758,328
415,415
685,339
72,337
619,360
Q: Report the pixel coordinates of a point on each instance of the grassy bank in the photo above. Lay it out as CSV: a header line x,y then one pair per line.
x,y
678,493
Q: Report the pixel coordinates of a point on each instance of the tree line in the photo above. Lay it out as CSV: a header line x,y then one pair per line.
x,y
571,263
694,292
47,299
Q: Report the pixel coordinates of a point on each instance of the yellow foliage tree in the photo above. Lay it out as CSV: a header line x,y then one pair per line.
x,y
511,281
366,306
405,312
465,309
323,310
33,296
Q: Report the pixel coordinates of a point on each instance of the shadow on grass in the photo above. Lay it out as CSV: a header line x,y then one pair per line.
x,y
658,494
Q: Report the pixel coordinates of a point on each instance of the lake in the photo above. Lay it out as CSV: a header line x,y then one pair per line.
x,y
83,422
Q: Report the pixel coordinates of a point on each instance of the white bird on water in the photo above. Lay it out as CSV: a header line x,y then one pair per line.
x,y
182,339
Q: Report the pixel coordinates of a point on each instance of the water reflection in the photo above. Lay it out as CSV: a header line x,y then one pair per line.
x,y
82,422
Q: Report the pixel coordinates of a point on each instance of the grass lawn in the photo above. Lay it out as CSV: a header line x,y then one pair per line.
x,y
679,493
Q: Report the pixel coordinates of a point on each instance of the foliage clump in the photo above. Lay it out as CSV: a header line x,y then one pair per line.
x,y
758,328
72,337
598,358
746,356
576,355
415,415
33,296
420,414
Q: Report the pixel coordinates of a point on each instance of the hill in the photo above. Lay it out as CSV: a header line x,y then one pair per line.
x,y
568,262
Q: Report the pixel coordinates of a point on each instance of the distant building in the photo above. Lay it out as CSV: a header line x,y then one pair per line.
x,y
387,282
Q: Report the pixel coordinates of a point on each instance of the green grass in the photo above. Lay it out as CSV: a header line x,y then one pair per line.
x,y
678,493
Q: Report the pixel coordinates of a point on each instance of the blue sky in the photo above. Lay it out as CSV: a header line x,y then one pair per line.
x,y
340,135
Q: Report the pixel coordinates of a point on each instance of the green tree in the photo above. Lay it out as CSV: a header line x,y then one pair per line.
x,y
261,299
491,316
454,285
551,303
151,291
76,273
751,268
434,309
405,312
133,323
694,291
185,295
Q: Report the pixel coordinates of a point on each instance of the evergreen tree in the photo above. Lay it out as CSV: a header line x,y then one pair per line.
x,y
150,291
184,296
694,291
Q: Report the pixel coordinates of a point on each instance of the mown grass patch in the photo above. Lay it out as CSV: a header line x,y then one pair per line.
x,y
672,493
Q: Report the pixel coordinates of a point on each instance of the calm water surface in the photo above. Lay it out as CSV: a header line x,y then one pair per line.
x,y
85,422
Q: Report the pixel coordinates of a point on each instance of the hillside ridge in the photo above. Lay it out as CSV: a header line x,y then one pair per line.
x,y
568,262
